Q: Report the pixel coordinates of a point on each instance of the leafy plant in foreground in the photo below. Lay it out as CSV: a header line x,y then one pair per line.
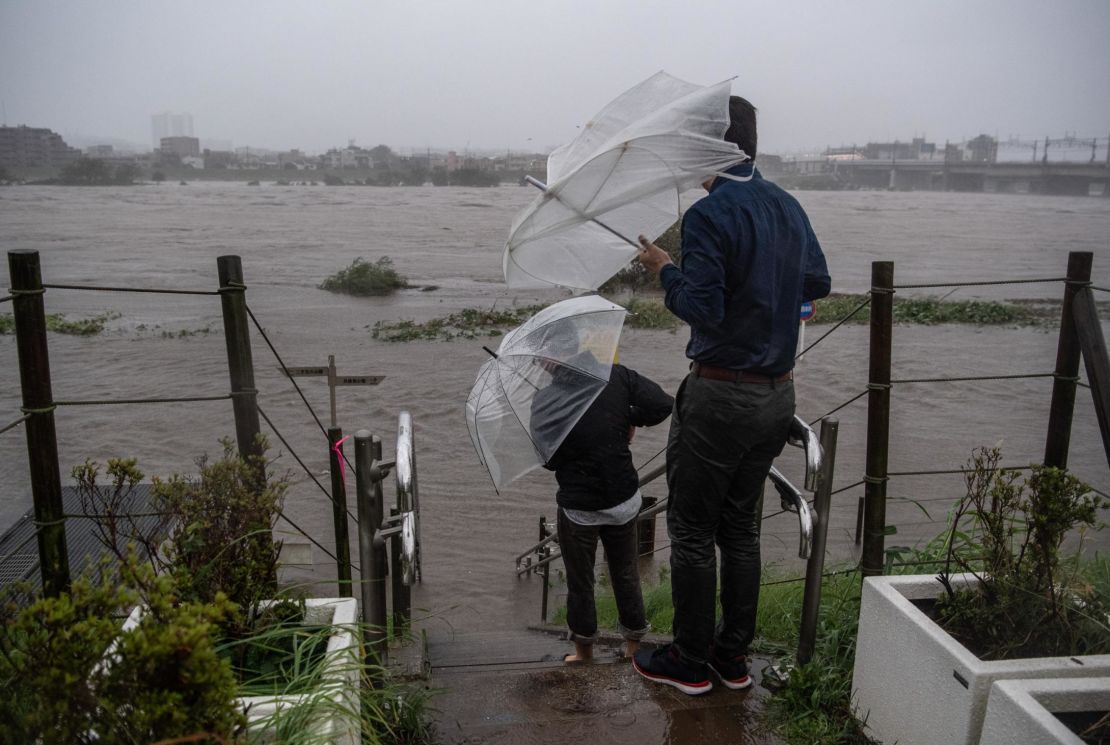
x,y
1028,601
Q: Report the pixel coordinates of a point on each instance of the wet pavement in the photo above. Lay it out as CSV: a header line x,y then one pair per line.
x,y
499,688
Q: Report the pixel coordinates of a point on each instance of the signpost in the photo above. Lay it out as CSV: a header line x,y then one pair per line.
x,y
338,480
808,311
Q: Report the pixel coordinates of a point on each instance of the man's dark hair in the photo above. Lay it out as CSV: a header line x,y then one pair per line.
x,y
741,125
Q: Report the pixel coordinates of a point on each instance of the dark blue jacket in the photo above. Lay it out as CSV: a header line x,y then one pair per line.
x,y
749,260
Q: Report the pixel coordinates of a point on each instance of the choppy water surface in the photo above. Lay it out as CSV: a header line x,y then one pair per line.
x,y
291,238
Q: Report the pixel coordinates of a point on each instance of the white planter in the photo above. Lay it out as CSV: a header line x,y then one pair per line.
x,y
1024,710
915,685
340,682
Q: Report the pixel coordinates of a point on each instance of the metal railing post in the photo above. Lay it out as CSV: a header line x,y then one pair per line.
x,y
878,417
1066,373
546,570
815,567
240,363
28,310
402,593
645,529
372,581
339,512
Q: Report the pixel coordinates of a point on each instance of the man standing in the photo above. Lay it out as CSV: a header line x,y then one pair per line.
x,y
749,260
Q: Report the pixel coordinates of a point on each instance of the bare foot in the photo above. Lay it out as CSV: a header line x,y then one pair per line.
x,y
583,653
630,647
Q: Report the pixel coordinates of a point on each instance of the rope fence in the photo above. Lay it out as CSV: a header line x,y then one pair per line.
x,y
984,283
302,464
100,288
839,323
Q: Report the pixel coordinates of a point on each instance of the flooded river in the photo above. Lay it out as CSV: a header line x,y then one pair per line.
x,y
291,237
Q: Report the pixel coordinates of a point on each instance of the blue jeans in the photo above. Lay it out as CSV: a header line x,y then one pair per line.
x,y
578,544
723,438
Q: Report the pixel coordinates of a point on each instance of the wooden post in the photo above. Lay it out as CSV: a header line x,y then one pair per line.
x,y
1095,359
29,312
1067,365
815,567
878,417
372,583
240,364
339,512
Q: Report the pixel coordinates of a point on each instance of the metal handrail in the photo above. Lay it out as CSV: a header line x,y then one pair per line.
x,y
801,435
408,499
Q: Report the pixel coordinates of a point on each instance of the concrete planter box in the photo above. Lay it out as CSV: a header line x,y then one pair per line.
x,y
1024,710
339,683
916,685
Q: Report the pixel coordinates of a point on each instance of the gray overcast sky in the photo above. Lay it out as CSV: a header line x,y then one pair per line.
x,y
495,74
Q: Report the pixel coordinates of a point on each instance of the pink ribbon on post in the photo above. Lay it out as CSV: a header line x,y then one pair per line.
x,y
339,457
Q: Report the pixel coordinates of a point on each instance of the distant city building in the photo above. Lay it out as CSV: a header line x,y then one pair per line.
x,y
915,149
168,124
180,146
34,147
100,151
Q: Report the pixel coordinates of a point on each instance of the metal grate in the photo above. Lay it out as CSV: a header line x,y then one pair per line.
x,y
19,559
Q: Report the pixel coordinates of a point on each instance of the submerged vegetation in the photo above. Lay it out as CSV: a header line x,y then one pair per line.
x,y
648,312
58,323
364,278
469,323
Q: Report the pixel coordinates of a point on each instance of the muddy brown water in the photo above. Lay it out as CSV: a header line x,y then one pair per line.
x,y
290,238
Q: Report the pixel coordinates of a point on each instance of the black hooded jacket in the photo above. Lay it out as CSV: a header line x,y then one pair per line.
x,y
593,465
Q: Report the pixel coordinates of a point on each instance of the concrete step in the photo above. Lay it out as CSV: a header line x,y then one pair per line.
x,y
513,687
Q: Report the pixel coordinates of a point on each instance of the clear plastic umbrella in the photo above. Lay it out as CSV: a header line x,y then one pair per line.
x,y
622,176
540,382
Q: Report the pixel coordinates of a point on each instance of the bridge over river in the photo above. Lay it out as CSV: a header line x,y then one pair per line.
x,y
1070,178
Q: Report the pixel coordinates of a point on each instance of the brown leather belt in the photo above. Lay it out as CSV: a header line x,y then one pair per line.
x,y
736,376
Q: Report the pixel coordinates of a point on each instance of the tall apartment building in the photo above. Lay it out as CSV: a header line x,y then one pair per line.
x,y
34,147
168,124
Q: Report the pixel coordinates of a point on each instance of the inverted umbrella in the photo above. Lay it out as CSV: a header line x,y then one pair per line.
x,y
542,379
622,176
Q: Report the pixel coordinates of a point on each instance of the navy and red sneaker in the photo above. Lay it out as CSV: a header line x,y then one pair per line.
x,y
664,666
733,671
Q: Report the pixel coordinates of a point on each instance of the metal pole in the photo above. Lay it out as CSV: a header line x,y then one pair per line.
x,y
546,569
815,567
29,313
240,364
878,417
402,595
1066,373
372,584
339,512
645,529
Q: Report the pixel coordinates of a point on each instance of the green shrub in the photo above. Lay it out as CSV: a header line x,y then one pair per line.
x,y
650,314
164,679
1028,601
364,278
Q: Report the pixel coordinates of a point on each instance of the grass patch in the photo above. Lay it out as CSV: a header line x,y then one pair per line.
x,y
58,323
364,278
469,323
650,314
